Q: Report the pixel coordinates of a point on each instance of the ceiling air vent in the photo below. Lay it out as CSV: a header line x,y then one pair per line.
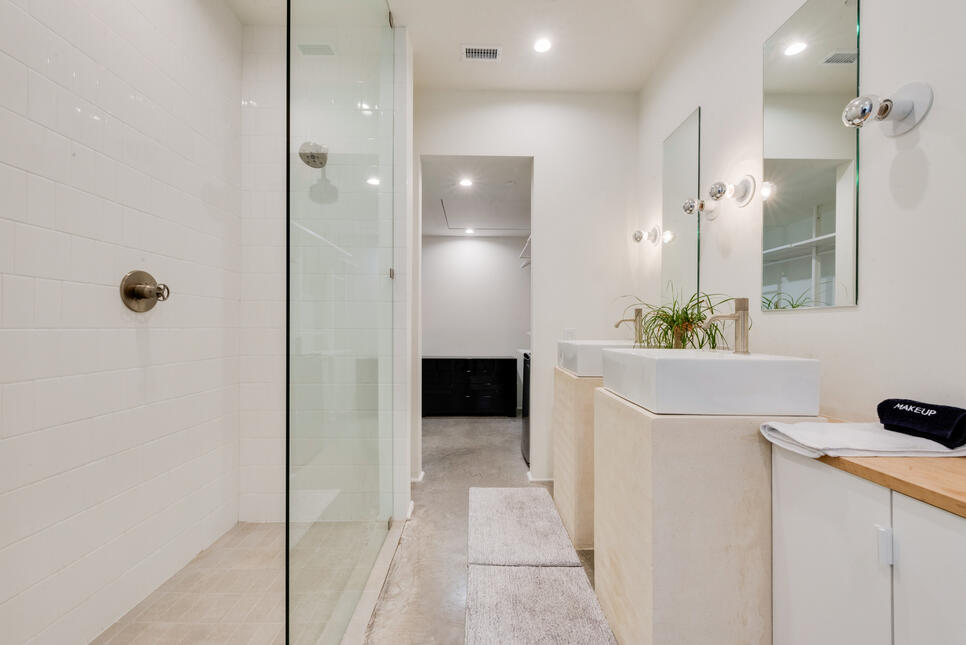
x,y
841,58
316,49
476,52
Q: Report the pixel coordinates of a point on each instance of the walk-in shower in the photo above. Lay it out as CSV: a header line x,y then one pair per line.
x,y
196,327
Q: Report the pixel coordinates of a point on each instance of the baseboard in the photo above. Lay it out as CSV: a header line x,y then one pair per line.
x,y
531,478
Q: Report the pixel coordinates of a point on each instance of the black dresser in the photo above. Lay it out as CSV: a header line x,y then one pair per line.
x,y
456,387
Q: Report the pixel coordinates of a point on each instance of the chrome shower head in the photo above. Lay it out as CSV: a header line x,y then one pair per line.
x,y
313,154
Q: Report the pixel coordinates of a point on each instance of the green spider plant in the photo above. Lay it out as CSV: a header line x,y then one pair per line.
x,y
782,300
678,323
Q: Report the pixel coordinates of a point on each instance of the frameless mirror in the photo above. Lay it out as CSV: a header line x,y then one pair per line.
x,y
679,234
809,191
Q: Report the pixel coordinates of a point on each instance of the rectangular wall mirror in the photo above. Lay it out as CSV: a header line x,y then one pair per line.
x,y
679,235
810,187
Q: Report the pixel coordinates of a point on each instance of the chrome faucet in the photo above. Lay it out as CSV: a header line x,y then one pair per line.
x,y
638,321
742,322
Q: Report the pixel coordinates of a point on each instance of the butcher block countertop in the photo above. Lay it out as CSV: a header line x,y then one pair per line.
x,y
939,481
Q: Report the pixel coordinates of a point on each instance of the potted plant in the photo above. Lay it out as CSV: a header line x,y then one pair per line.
x,y
678,324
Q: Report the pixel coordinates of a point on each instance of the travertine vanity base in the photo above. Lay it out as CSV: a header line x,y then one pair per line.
x,y
682,529
573,453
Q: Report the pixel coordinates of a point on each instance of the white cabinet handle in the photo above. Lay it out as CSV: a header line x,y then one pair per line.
x,y
885,544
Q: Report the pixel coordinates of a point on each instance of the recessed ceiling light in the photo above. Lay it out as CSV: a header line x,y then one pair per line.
x,y
795,48
373,181
542,45
466,182
469,231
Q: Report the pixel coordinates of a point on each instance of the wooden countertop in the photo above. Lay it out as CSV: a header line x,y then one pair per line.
x,y
939,481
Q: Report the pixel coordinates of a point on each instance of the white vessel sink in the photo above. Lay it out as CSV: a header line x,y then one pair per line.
x,y
691,381
583,357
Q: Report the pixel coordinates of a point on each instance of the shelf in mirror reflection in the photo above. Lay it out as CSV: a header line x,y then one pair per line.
x,y
795,250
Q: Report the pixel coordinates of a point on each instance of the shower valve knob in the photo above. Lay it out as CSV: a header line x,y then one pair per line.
x,y
147,291
140,291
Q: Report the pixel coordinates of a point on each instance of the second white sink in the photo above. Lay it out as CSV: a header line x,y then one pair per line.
x,y
583,357
690,381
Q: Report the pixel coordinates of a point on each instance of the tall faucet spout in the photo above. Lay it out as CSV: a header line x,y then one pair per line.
x,y
742,324
638,321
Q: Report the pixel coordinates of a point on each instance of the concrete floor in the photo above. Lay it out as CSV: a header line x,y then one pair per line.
x,y
423,601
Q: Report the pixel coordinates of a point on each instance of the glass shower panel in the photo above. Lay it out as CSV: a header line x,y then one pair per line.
x,y
340,307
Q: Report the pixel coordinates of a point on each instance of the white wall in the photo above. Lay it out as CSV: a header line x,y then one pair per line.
x,y
119,150
909,239
262,361
584,259
807,126
476,298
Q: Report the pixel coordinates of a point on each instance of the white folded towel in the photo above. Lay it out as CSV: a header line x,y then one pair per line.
x,y
814,439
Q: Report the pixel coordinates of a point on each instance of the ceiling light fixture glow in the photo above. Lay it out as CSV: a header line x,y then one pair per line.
x,y
469,231
373,181
795,48
542,45
466,182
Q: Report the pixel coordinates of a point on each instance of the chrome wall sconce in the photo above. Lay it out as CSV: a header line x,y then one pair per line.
x,y
741,191
696,206
651,236
899,114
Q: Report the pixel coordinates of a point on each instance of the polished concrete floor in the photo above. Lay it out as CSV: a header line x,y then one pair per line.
x,y
423,601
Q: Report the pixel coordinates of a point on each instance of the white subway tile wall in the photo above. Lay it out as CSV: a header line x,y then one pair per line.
x,y
262,441
121,148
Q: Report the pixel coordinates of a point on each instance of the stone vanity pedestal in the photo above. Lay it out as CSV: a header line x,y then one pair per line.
x,y
682,525
573,453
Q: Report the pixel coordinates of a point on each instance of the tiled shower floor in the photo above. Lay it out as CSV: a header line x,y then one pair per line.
x,y
234,591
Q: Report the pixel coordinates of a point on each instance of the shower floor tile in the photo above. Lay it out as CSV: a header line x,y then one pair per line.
x,y
233,592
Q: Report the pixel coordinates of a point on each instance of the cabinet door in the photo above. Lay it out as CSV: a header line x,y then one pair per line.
x,y
930,574
829,585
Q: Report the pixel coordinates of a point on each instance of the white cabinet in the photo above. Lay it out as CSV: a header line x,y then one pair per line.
x,y
829,585
929,581
834,536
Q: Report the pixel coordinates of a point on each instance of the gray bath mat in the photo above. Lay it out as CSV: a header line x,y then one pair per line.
x,y
533,605
517,527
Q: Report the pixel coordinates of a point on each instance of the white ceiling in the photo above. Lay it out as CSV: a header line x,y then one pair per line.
x,y
602,45
826,26
497,204
597,45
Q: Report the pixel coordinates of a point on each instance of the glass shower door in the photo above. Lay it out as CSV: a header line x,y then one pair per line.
x,y
339,306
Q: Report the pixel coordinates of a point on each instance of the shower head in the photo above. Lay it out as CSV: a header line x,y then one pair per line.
x,y
313,154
